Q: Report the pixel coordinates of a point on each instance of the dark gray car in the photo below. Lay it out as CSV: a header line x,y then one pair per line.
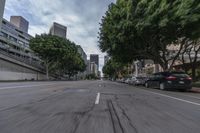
x,y
170,80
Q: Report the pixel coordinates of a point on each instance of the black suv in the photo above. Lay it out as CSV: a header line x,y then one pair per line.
x,y
170,80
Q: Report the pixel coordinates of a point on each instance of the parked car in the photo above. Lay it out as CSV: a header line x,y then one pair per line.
x,y
170,80
138,81
119,80
123,80
127,81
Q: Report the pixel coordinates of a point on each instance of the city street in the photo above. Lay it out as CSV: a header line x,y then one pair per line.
x,y
95,107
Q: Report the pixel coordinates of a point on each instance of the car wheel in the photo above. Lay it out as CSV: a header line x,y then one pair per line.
x,y
184,90
162,86
146,85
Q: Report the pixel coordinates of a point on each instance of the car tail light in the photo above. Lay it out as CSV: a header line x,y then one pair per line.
x,y
189,78
171,78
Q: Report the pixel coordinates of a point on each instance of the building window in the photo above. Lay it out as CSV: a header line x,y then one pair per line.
x,y
21,37
22,43
3,22
3,34
13,39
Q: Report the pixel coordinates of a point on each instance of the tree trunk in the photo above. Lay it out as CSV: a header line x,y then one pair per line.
x,y
194,73
47,71
165,66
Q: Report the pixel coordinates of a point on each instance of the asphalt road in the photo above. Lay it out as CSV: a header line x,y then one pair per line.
x,y
95,107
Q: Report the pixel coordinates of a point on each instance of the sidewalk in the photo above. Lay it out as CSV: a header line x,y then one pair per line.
x,y
195,89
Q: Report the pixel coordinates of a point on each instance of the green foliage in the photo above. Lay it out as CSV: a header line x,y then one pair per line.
x,y
60,55
91,76
112,68
143,29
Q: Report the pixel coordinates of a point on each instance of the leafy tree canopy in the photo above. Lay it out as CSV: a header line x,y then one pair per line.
x,y
143,29
60,55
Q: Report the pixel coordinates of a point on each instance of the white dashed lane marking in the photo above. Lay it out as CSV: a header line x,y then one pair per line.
x,y
97,98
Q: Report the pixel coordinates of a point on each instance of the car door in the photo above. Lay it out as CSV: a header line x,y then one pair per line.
x,y
151,81
156,80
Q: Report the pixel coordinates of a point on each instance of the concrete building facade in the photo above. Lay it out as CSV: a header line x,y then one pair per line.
x,y
58,30
94,68
15,42
82,53
21,23
16,56
95,59
84,57
2,5
12,69
88,67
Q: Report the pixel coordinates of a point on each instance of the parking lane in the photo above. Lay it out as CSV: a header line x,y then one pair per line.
x,y
190,96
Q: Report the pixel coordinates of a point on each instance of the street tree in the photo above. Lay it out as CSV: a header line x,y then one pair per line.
x,y
190,56
113,69
145,29
60,55
45,46
75,64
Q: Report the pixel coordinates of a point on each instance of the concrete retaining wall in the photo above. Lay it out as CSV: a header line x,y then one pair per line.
x,y
6,75
10,70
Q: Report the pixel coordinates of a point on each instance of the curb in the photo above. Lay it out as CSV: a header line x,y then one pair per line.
x,y
197,90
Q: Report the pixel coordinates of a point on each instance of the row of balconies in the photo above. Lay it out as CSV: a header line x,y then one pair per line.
x,y
12,53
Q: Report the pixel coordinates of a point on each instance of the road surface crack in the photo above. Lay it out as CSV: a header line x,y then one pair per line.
x,y
126,116
117,125
79,117
119,118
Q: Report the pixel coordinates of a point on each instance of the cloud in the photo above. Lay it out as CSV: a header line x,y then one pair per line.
x,y
82,18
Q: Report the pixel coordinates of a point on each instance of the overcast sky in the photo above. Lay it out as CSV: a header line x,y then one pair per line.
x,y
82,18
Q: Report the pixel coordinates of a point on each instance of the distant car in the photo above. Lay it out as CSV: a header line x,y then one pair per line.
x,y
170,80
138,81
127,81
123,80
118,80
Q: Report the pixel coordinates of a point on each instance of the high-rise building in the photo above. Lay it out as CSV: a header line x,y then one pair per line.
x,y
88,67
82,53
15,43
95,58
84,57
93,68
2,4
20,23
58,30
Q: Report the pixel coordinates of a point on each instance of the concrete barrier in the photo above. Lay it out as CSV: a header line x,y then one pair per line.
x,y
11,69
